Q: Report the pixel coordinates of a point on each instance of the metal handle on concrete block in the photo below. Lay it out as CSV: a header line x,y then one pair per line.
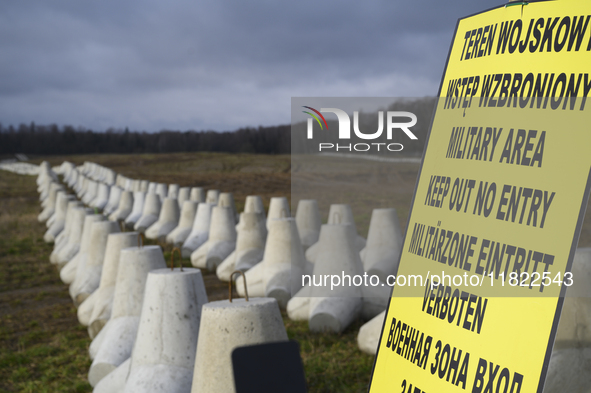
x,y
172,258
336,217
230,284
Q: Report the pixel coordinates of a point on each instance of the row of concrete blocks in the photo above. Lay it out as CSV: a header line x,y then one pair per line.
x,y
153,328
216,243
283,263
22,168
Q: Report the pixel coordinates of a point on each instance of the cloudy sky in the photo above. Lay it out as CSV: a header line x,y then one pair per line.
x,y
224,64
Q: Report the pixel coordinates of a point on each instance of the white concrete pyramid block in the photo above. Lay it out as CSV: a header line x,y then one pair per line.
x,y
68,272
150,213
125,207
83,186
143,186
338,214
250,245
369,335
173,191
137,209
212,196
103,304
254,204
43,188
308,222
88,273
135,185
58,220
74,241
279,273
78,187
278,208
221,241
62,239
227,199
184,195
151,188
102,197
91,192
163,356
114,343
381,254
179,234
200,230
167,220
162,191
114,199
197,194
49,208
114,382
225,326
332,309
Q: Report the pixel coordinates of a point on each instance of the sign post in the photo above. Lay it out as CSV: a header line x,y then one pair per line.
x,y
498,207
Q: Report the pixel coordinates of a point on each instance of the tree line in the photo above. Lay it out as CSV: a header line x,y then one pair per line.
x,y
53,139
283,139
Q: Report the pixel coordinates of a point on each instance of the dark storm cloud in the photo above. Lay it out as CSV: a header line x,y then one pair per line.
x,y
213,64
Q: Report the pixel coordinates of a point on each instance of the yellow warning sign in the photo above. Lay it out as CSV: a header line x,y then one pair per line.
x,y
497,209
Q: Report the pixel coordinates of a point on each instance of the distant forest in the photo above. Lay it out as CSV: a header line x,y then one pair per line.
x,y
52,139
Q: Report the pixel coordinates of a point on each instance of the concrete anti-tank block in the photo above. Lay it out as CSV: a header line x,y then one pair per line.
x,y
200,230
101,313
278,208
250,245
384,244
179,234
197,194
72,246
167,220
225,326
163,356
88,275
221,241
114,381
338,214
125,207
369,335
62,239
308,222
137,209
114,343
68,272
212,196
150,213
279,274
332,309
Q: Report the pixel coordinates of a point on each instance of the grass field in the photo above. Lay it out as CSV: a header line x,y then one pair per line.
x,y
43,348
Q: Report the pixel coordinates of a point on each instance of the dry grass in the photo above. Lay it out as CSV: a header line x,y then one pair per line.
x,y
42,346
